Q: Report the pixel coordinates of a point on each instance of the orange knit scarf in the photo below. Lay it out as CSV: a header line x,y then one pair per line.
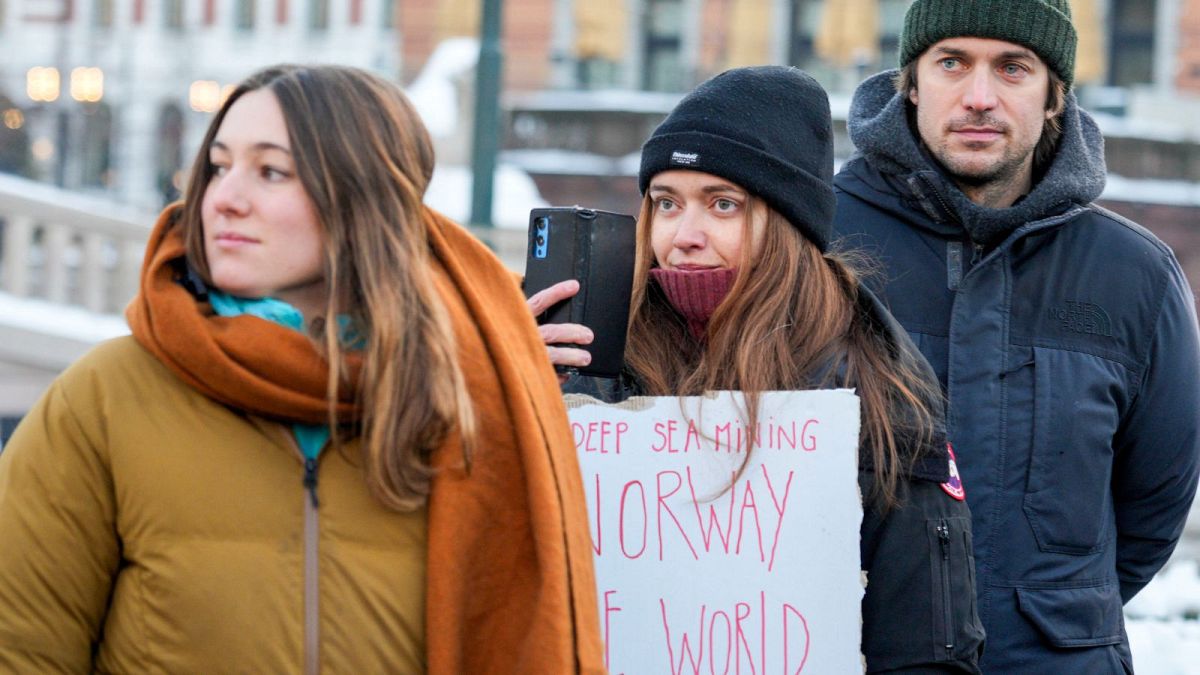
x,y
242,361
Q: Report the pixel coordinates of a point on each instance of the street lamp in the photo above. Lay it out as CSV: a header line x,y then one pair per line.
x,y
87,85
14,119
42,84
204,96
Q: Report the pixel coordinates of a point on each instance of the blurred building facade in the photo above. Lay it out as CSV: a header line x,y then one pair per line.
x,y
108,96
672,45
111,96
586,82
1137,60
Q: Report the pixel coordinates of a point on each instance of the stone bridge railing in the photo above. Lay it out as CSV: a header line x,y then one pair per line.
x,y
68,250
68,265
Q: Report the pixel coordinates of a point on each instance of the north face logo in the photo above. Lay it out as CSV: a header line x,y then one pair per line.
x,y
1082,317
684,158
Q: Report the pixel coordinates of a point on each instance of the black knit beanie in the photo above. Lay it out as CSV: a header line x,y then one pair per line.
x,y
1041,25
766,129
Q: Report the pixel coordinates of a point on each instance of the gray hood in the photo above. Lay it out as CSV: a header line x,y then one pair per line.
x,y
881,132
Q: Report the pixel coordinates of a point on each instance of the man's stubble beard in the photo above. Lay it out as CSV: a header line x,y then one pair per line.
x,y
998,174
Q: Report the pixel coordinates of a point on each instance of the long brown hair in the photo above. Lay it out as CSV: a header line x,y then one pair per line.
x,y
790,321
365,160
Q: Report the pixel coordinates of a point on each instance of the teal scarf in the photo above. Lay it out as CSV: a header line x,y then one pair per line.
x,y
310,437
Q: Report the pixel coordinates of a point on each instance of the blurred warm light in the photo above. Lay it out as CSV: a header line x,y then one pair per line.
x,y
42,84
87,84
42,149
14,118
204,96
226,91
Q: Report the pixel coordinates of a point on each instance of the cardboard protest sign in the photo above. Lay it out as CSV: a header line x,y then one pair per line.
x,y
697,576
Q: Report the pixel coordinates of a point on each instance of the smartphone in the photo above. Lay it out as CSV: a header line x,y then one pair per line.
x,y
596,248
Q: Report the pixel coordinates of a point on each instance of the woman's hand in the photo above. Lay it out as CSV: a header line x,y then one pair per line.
x,y
561,333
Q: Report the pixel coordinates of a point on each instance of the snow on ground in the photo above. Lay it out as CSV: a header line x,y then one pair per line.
x,y
435,96
1165,647
593,100
573,163
1175,592
514,194
1150,191
1149,129
434,93
1161,621
839,106
50,318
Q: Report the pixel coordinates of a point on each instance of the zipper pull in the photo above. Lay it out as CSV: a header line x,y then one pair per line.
x,y
954,264
978,255
310,478
943,533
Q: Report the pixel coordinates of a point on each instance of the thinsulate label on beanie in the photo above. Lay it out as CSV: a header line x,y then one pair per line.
x,y
685,158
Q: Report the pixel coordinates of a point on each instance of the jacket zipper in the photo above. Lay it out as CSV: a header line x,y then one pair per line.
x,y
978,255
946,210
312,626
948,214
312,632
943,532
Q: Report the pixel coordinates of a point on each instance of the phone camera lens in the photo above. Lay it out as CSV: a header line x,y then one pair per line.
x,y
541,224
541,241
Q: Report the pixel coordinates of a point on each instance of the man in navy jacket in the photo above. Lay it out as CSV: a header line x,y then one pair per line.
x,y
1064,336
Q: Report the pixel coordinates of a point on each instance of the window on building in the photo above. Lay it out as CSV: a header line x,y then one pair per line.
x,y
891,22
840,45
244,15
96,155
662,67
14,136
387,14
806,21
102,13
1131,47
169,160
173,14
318,15
597,73
600,44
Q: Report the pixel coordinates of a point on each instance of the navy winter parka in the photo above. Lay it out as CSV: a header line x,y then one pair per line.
x,y
1068,351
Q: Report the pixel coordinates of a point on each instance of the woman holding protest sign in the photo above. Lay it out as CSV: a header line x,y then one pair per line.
x,y
284,468
735,289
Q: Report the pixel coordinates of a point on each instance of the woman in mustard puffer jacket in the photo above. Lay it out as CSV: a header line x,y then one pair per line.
x,y
333,441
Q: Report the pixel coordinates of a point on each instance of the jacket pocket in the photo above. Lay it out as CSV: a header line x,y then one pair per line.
x,y
1068,499
1075,617
956,629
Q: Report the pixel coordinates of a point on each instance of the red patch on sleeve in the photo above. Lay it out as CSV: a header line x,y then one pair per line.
x,y
954,486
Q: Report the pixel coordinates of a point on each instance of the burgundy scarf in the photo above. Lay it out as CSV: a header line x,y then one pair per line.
x,y
695,294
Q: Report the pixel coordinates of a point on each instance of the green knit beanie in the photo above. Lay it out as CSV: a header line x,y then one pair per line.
x,y
1041,25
